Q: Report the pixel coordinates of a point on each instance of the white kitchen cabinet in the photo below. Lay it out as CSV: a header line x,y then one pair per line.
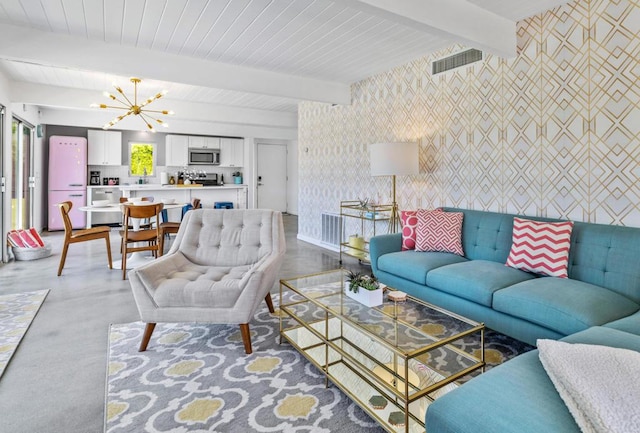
x,y
201,142
177,150
232,152
212,142
105,147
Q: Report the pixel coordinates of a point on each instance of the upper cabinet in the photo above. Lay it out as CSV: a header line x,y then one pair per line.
x,y
105,147
204,142
232,152
177,150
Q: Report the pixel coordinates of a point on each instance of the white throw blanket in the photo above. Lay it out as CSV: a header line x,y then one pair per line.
x,y
600,385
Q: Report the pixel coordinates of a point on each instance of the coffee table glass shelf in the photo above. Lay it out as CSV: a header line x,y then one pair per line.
x,y
366,351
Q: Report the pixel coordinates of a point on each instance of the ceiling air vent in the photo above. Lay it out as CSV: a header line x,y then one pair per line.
x,y
456,60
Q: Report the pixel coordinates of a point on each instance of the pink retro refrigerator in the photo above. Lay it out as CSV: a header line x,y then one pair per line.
x,y
67,179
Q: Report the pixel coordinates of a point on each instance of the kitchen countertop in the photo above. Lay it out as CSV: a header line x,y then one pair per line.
x,y
158,187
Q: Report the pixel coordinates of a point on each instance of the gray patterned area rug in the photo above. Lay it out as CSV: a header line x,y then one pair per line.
x,y
197,378
16,314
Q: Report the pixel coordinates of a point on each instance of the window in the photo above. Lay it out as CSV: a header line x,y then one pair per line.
x,y
142,158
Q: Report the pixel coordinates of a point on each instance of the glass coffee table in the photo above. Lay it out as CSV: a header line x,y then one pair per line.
x,y
392,360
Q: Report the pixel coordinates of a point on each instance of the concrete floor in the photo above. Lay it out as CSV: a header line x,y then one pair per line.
x,y
55,382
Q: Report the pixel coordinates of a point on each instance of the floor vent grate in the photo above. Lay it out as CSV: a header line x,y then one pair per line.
x,y
332,229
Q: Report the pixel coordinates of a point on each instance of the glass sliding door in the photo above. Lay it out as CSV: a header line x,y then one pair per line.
x,y
21,178
2,181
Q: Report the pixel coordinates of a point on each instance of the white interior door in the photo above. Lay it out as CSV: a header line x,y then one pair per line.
x,y
272,177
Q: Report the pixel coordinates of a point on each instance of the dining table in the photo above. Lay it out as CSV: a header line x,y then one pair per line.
x,y
137,258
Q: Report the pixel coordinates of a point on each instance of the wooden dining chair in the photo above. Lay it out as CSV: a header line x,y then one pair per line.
x,y
145,239
144,224
171,227
82,235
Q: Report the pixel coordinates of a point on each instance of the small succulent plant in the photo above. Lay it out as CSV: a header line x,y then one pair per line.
x,y
358,279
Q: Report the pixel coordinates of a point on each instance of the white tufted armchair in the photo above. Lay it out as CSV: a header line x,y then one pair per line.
x,y
222,264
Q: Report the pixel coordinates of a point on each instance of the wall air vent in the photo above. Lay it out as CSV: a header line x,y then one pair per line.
x,y
456,60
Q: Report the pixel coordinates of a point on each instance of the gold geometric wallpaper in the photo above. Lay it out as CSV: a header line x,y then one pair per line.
x,y
552,132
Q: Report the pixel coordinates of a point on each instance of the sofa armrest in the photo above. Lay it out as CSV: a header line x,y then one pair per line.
x,y
383,244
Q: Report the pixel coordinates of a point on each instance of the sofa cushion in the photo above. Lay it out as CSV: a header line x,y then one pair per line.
x,y
414,265
541,247
180,283
515,396
563,305
629,324
439,231
521,389
607,256
475,280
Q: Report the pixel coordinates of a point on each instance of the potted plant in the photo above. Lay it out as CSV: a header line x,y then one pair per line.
x,y
237,177
363,288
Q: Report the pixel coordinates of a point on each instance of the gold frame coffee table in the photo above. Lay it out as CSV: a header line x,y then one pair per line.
x,y
369,352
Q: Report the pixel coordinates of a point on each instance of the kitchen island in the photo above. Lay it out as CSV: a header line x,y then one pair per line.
x,y
208,195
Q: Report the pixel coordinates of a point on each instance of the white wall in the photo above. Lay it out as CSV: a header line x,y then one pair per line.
x,y
292,173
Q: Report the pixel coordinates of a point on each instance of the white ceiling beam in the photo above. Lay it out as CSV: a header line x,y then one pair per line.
x,y
53,49
79,99
457,20
95,120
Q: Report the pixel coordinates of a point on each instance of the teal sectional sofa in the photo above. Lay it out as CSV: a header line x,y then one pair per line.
x,y
598,304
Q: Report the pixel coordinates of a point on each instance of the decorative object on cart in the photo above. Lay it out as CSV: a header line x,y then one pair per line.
x,y
394,159
237,177
134,108
371,293
363,204
357,246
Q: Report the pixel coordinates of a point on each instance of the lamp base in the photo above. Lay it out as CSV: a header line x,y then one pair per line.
x,y
394,220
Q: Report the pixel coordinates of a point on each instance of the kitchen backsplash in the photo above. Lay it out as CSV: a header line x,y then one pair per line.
x,y
122,172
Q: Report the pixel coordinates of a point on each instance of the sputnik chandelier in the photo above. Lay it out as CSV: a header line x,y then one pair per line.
x,y
132,108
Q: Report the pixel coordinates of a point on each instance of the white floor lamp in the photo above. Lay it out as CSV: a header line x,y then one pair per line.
x,y
394,159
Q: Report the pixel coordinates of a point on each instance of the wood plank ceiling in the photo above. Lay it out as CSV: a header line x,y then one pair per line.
x,y
276,46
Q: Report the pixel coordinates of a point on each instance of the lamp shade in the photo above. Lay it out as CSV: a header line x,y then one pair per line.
x,y
394,159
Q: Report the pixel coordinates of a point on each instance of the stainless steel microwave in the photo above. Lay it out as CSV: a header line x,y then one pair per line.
x,y
204,156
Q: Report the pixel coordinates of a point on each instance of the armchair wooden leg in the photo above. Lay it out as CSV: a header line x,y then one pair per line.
x,y
63,258
148,330
269,303
246,337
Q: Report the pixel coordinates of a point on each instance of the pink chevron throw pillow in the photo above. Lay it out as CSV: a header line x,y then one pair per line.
x,y
439,231
541,247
